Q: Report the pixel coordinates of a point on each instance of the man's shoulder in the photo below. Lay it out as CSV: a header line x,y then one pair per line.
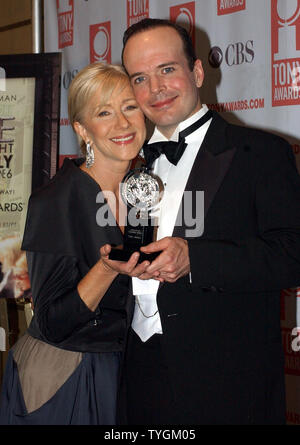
x,y
256,134
262,142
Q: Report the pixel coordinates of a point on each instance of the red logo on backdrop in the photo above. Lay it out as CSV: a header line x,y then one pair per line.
x,y
184,15
230,6
65,18
137,10
285,21
100,43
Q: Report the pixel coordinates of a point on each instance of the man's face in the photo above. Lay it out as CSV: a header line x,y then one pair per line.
x,y
164,87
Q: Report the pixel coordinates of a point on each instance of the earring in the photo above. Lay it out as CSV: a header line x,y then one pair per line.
x,y
90,157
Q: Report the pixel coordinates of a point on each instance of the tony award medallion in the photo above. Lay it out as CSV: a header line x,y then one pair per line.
x,y
141,192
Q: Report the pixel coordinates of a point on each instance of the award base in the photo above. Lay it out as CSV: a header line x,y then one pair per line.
x,y
124,254
134,239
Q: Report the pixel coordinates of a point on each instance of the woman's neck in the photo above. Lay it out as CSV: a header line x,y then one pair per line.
x,y
108,179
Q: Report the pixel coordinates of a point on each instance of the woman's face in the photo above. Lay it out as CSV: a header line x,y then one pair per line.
x,y
116,130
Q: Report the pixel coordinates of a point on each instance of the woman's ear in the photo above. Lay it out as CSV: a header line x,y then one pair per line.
x,y
80,130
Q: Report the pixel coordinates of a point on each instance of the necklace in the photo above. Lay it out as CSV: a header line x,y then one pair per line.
x,y
93,175
143,313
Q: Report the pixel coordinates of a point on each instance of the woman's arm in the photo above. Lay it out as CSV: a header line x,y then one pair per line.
x,y
63,300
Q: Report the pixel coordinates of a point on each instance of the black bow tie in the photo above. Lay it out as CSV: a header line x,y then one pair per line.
x,y
173,150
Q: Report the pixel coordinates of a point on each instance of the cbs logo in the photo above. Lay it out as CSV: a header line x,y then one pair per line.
x,y
235,54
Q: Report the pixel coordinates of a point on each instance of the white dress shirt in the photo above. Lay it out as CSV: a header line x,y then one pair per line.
x,y
146,320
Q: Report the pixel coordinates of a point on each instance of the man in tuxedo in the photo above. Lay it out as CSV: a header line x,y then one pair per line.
x,y
205,342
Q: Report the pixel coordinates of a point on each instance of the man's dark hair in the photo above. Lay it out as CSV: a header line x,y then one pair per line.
x,y
146,24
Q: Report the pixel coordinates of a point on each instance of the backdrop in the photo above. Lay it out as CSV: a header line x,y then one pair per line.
x,y
250,50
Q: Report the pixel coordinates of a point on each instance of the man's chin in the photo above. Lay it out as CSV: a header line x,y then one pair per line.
x,y
166,124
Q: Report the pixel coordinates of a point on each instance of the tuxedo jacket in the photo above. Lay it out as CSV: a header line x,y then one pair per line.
x,y
221,333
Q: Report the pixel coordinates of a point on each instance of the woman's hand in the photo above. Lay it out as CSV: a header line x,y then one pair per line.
x,y
131,267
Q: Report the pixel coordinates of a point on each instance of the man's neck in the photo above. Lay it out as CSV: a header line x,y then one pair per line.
x,y
172,132
167,131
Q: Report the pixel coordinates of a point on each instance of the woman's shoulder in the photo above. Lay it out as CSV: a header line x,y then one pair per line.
x,y
61,183
51,211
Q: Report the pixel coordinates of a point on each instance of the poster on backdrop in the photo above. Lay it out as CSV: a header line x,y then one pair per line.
x,y
16,142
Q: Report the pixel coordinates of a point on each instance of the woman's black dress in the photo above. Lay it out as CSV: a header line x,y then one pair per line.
x,y
65,369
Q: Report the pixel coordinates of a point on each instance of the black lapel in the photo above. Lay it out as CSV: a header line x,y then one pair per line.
x,y
209,169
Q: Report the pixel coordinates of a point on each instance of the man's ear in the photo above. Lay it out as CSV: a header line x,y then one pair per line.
x,y
80,130
198,73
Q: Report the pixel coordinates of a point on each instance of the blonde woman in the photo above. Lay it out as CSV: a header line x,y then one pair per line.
x,y
65,369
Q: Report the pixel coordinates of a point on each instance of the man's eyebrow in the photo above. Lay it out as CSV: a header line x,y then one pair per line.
x,y
162,65
135,75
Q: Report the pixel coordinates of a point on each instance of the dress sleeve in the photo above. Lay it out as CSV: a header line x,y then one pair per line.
x,y
58,308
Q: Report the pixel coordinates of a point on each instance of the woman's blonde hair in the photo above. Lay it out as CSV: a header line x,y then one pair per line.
x,y
84,86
